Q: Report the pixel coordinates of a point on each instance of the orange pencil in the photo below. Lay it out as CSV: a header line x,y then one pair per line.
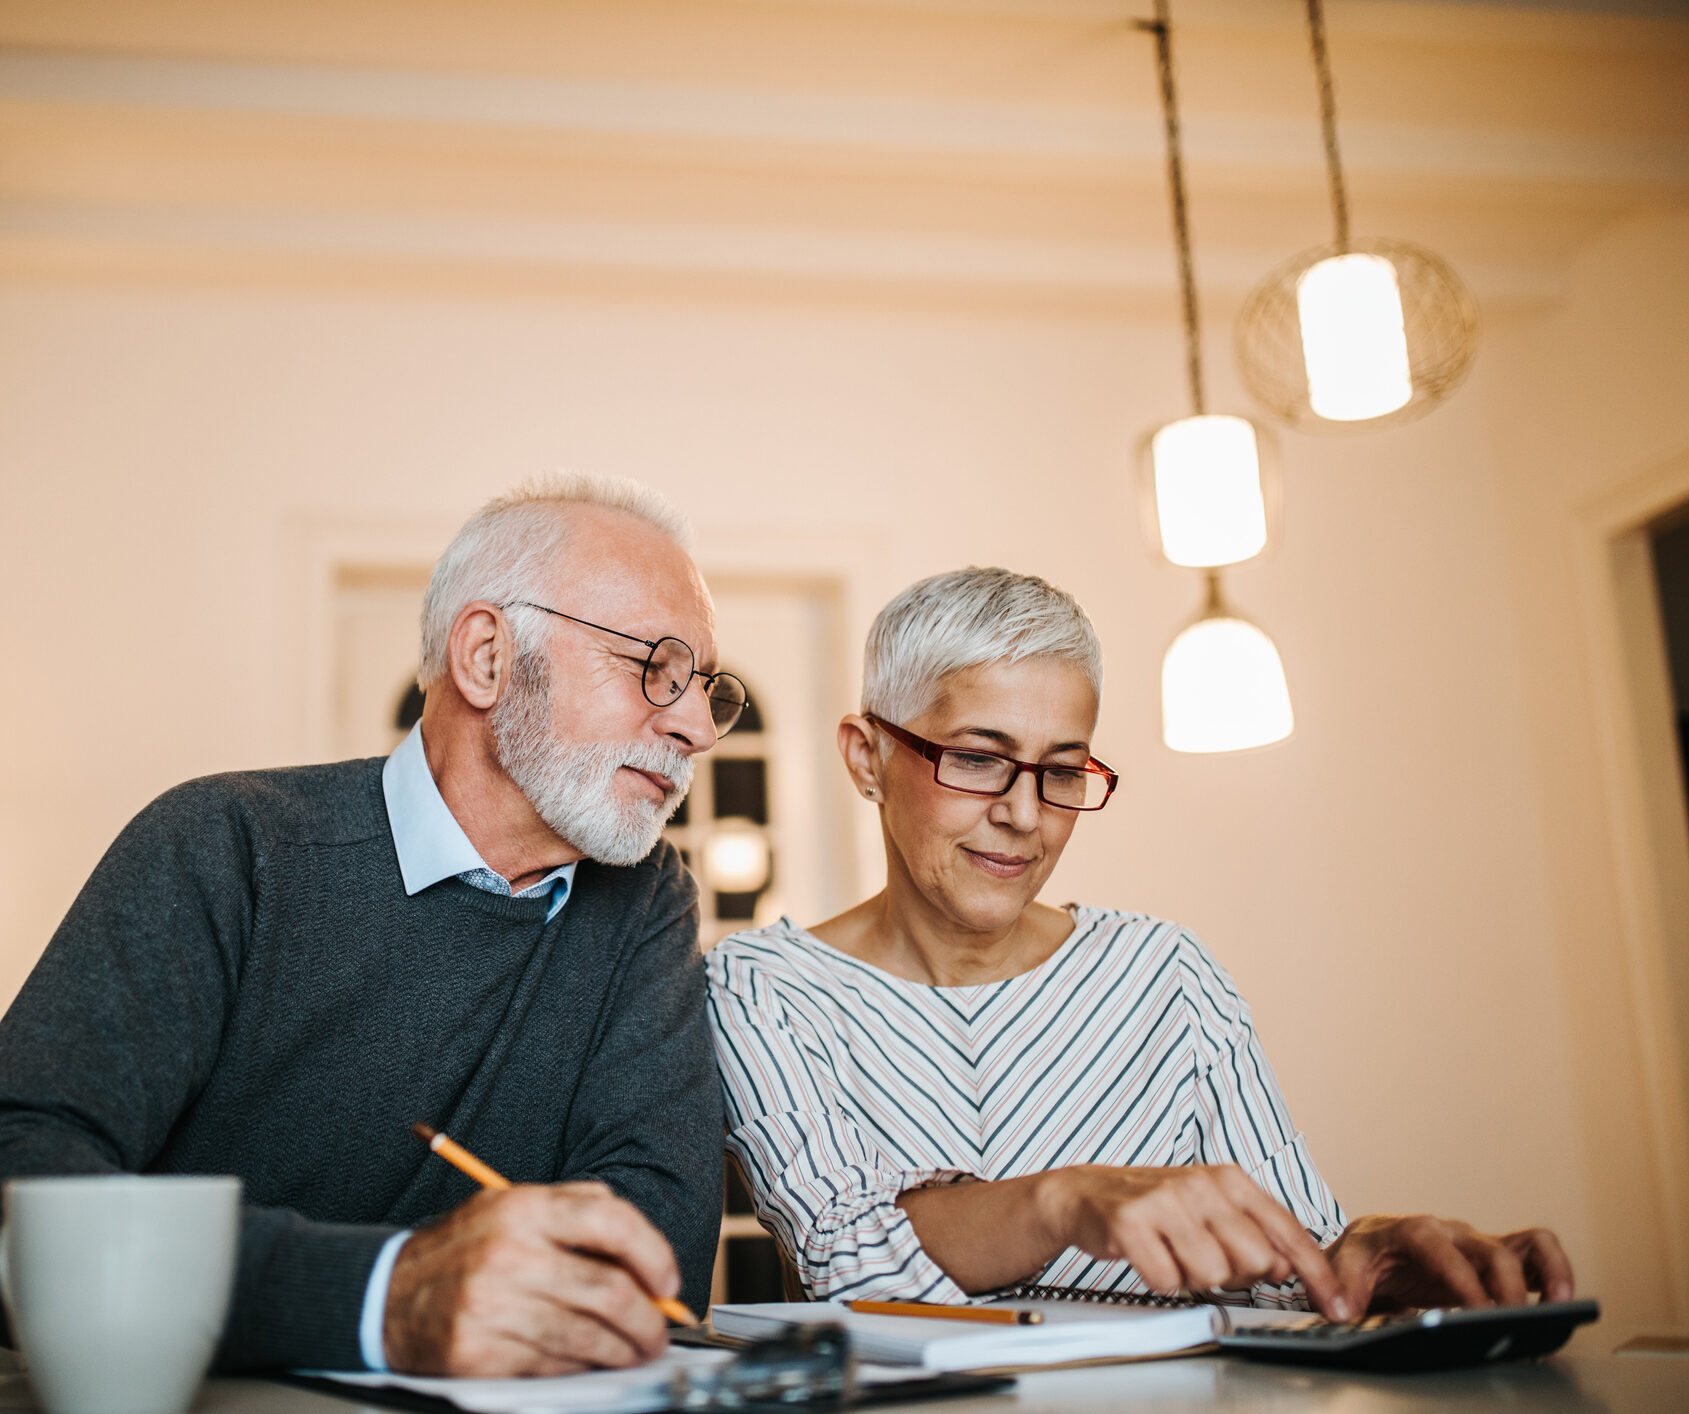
x,y
488,1177
992,1315
459,1157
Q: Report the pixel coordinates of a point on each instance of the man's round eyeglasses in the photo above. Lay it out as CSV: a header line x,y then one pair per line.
x,y
1086,787
669,670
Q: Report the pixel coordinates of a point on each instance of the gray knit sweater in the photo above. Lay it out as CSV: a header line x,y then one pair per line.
x,y
243,987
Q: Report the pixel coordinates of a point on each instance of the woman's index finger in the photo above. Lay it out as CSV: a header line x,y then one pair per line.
x,y
1304,1254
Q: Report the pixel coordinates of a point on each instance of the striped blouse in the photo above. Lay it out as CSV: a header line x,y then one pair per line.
x,y
846,1086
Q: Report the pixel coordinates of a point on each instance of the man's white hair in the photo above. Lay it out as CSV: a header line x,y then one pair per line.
x,y
509,550
966,619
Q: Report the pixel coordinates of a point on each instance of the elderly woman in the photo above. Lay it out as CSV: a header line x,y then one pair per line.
x,y
952,1088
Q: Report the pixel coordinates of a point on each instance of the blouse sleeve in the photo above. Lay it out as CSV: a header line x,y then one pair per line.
x,y
1241,1115
821,1184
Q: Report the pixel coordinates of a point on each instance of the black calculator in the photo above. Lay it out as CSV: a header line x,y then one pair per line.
x,y
1417,1340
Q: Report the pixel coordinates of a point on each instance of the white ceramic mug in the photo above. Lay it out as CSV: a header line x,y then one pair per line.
x,y
118,1286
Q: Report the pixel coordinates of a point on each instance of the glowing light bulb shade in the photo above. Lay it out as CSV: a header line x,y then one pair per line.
x,y
1209,507
1439,325
735,857
1223,688
1354,345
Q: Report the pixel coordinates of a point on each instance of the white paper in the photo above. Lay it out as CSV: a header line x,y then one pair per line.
x,y
637,1391
641,1390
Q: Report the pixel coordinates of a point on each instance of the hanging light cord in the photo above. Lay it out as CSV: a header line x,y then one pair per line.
x,y
1161,28
1328,121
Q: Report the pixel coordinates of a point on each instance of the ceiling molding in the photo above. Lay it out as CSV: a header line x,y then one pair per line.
x,y
898,128
1065,272
354,30
718,143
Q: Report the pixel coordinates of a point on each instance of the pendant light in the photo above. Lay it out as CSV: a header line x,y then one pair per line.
x,y
1206,506
1207,491
1357,334
1222,684
1203,486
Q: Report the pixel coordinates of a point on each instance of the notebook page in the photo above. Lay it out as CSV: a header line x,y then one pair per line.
x,y
637,1391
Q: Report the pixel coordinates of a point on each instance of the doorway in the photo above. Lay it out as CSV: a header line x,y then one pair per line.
x,y
1669,539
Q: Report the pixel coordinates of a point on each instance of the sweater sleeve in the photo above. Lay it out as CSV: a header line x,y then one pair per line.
x,y
1241,1115
646,1118
819,1180
114,1035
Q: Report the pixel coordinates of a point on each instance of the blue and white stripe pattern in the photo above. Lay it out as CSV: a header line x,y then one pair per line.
x,y
846,1086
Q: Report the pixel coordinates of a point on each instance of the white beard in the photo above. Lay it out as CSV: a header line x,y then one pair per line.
x,y
571,785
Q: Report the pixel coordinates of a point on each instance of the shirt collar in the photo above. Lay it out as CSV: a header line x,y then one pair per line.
x,y
430,843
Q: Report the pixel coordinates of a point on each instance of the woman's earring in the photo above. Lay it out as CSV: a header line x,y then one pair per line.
x,y
871,793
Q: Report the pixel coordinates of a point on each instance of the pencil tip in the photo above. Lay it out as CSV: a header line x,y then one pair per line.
x,y
423,1132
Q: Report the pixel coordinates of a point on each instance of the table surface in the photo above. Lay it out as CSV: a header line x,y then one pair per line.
x,y
1587,1384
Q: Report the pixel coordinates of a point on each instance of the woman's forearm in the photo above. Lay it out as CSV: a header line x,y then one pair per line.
x,y
988,1234
1185,1225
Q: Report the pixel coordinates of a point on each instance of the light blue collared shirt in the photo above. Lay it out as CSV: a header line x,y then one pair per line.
x,y
431,846
430,842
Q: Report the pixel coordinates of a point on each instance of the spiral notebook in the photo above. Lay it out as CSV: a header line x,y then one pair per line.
x,y
1228,1317
1070,1333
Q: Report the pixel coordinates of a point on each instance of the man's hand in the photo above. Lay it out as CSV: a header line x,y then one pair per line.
x,y
1196,1227
531,1281
1388,1263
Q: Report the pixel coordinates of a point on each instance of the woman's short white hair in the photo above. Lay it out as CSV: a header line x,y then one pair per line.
x,y
509,550
966,619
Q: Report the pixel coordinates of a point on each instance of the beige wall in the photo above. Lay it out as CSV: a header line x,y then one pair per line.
x,y
1592,438
1418,891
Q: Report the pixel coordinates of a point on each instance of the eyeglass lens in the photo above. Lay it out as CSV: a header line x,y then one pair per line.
x,y
667,671
670,668
727,701
988,775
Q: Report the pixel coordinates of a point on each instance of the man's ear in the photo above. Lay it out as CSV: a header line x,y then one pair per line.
x,y
861,756
479,654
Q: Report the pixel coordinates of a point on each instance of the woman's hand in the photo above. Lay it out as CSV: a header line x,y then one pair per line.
x,y
1388,1263
1193,1227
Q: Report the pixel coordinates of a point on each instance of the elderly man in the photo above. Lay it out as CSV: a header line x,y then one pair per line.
x,y
274,973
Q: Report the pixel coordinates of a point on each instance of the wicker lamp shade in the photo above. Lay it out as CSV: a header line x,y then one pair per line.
x,y
1439,321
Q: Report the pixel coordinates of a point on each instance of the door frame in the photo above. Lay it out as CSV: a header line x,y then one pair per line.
x,y
1646,820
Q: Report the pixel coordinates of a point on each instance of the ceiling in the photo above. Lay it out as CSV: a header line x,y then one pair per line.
x,y
1664,9
932,149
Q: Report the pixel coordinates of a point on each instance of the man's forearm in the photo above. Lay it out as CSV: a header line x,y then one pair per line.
x,y
299,1293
